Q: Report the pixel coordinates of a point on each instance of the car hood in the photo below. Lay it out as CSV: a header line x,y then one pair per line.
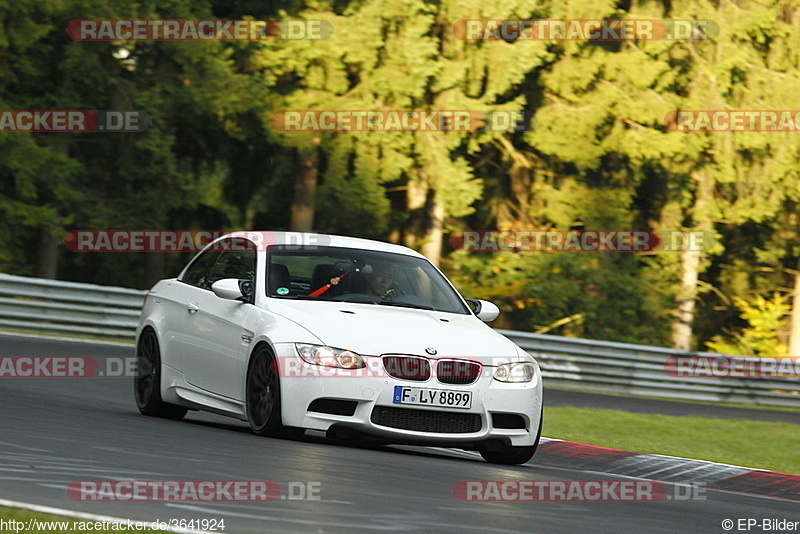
x,y
372,330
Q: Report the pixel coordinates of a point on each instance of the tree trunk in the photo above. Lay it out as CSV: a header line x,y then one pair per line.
x,y
685,302
48,244
432,243
691,263
416,200
305,187
424,230
794,333
47,254
153,267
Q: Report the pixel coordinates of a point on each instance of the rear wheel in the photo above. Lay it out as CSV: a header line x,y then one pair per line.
x,y
147,381
264,397
497,453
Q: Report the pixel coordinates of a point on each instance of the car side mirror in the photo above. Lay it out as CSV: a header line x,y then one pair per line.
x,y
227,288
483,309
246,287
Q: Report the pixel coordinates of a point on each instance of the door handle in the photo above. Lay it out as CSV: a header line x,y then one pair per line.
x,y
192,307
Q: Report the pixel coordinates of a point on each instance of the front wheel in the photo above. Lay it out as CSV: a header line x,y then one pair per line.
x,y
147,381
264,397
509,455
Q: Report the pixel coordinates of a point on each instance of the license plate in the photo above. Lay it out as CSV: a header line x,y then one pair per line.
x,y
432,397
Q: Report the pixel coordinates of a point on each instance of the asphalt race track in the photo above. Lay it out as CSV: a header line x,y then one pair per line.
x,y
57,430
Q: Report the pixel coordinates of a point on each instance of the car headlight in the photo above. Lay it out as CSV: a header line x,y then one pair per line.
x,y
329,356
515,372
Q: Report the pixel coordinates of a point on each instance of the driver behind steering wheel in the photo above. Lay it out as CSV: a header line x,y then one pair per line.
x,y
379,282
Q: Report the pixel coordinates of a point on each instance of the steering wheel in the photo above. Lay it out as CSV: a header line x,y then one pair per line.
x,y
393,293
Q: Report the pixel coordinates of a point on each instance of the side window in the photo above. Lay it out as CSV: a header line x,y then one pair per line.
x,y
237,260
198,273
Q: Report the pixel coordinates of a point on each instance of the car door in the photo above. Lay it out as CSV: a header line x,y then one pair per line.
x,y
179,301
217,339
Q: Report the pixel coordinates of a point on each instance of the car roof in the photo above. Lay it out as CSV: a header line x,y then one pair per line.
x,y
265,238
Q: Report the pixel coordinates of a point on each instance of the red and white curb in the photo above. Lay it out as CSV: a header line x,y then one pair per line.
x,y
716,476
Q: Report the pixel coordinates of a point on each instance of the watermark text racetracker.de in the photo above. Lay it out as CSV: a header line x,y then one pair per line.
x,y
197,30
719,366
576,491
74,121
66,367
584,29
128,525
193,490
398,121
184,240
733,120
460,367
643,241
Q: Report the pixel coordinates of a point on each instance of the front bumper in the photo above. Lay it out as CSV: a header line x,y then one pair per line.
x,y
370,391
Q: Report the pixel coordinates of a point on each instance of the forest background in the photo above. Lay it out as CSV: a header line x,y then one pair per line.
x,y
596,153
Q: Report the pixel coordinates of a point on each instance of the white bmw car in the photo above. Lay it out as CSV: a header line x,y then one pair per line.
x,y
349,336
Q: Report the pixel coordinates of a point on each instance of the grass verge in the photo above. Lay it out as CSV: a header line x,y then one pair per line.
x,y
733,405
761,445
688,401
30,521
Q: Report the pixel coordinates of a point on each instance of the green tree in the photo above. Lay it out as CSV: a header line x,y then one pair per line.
x,y
603,125
764,319
396,56
177,172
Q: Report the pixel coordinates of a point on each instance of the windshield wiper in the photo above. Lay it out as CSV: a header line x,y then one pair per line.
x,y
405,305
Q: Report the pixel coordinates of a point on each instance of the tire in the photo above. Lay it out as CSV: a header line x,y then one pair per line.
x,y
509,455
263,397
147,381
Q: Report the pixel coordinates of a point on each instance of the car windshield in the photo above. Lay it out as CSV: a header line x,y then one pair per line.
x,y
362,276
